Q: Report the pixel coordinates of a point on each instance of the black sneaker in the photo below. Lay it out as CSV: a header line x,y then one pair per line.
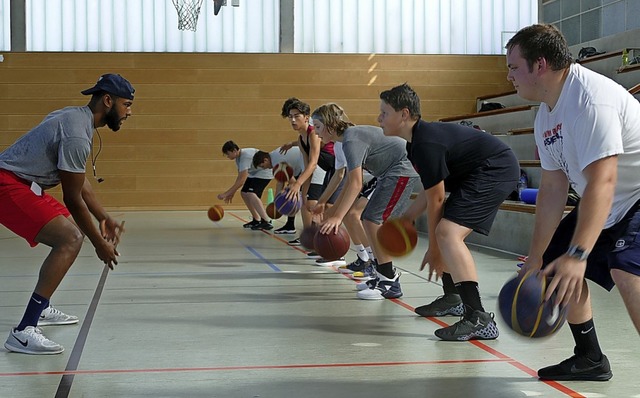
x,y
476,325
262,225
449,304
253,223
578,367
284,230
295,242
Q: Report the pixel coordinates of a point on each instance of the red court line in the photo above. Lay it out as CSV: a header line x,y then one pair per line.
x,y
502,357
245,368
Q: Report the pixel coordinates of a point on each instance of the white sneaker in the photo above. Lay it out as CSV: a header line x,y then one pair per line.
x,y
31,341
52,316
370,284
321,262
384,288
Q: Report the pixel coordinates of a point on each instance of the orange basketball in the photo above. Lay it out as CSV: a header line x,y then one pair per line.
x,y
282,172
397,237
272,212
215,213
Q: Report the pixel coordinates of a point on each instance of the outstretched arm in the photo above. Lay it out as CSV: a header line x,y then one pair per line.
x,y
79,198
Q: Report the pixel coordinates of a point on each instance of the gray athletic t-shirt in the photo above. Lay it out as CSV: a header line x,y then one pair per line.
x,y
368,147
62,141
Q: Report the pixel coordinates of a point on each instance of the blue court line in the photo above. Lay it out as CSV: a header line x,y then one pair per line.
x,y
264,260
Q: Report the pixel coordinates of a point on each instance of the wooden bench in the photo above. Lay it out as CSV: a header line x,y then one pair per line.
x,y
510,109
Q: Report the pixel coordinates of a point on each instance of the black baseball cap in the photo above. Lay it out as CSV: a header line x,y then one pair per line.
x,y
112,84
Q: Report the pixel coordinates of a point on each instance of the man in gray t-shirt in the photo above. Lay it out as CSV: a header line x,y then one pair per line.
x,y
55,153
252,180
366,147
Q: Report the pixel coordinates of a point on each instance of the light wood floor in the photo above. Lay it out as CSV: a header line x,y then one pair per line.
x,y
197,309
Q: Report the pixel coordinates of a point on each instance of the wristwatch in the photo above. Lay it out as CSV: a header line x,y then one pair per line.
x,y
578,252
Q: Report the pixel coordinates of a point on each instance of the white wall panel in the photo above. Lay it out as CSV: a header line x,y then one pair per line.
x,y
410,26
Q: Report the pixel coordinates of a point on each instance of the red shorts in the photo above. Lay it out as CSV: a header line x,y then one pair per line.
x,y
24,212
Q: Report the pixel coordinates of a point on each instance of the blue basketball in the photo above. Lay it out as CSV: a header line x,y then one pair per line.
x,y
287,207
521,304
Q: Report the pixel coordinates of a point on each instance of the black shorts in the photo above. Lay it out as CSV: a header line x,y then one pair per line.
x,y
368,188
474,203
314,192
617,247
255,185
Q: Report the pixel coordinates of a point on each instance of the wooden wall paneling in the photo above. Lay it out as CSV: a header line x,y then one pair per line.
x,y
168,154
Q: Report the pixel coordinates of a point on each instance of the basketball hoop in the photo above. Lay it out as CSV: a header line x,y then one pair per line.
x,y
188,11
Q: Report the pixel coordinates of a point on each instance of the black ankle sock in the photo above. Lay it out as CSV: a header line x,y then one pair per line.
x,y
36,305
386,269
291,223
586,340
447,284
470,295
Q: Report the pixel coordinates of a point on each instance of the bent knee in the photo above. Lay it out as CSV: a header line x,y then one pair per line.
x,y
625,280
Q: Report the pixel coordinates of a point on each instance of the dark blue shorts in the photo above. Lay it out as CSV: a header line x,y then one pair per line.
x,y
617,247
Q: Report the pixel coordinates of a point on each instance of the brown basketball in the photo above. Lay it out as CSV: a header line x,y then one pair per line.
x,y
397,237
332,246
272,212
215,213
282,172
307,236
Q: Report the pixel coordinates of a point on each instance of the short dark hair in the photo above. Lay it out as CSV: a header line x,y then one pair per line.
x,y
542,41
403,96
229,146
294,103
259,158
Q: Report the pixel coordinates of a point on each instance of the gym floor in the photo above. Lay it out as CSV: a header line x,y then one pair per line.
x,y
202,309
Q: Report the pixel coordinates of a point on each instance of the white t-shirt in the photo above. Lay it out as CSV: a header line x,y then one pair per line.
x,y
245,162
293,157
594,118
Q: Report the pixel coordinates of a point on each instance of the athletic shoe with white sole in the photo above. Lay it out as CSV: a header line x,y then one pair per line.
x,y
284,230
295,242
321,262
368,273
52,316
357,266
31,341
385,288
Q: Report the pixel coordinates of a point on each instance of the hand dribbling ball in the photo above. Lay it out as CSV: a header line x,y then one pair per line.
x,y
272,212
522,306
282,172
307,236
332,246
397,237
215,213
285,206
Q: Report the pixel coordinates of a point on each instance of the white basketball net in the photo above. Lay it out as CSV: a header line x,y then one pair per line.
x,y
188,11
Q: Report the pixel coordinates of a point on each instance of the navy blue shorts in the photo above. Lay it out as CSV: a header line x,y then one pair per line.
x,y
617,247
